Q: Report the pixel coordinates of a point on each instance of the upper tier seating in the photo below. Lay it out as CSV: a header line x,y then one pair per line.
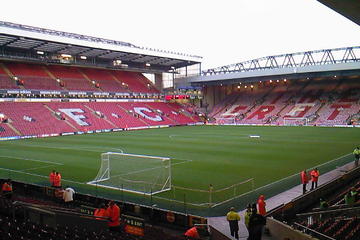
x,y
135,82
56,77
72,78
34,76
6,82
105,79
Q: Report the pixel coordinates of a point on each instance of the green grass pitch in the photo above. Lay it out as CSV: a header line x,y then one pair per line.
x,y
201,155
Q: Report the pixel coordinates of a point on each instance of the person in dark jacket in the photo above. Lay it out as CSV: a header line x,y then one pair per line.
x,y
256,224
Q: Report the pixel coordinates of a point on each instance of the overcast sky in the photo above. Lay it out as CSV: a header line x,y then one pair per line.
x,y
222,32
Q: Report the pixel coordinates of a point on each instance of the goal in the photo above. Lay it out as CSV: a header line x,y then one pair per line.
x,y
295,121
225,121
134,173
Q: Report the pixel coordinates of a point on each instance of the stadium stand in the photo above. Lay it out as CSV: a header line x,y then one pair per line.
x,y
134,82
33,76
71,78
32,118
107,82
328,102
5,81
336,221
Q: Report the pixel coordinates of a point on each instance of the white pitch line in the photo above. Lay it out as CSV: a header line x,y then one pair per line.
x,y
30,159
37,175
68,148
28,169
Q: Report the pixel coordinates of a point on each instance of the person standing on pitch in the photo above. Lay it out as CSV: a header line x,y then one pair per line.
x,y
304,180
314,178
261,205
233,219
52,178
357,156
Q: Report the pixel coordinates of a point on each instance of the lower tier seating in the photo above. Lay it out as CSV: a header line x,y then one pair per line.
x,y
29,118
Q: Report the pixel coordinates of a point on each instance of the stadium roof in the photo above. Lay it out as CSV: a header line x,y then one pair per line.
x,y
327,62
348,8
33,41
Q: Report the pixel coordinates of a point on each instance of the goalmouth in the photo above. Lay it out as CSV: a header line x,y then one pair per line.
x,y
296,121
134,173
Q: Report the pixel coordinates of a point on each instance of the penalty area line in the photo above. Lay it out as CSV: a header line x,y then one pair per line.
x,y
38,175
32,160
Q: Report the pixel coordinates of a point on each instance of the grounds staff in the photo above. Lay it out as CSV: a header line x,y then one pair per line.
x,y
304,180
233,219
357,156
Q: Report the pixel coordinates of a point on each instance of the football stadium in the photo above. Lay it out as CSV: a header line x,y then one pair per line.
x,y
98,113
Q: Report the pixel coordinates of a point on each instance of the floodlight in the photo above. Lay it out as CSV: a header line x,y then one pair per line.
x,y
65,55
83,57
40,52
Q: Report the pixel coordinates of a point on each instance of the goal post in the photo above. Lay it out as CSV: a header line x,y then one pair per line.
x,y
134,173
295,121
226,121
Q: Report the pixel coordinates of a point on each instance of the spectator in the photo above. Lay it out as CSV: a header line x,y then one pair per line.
x,y
113,211
349,198
357,156
355,194
304,180
314,178
261,205
57,180
7,189
256,224
323,204
247,216
68,195
233,219
101,212
52,178
192,233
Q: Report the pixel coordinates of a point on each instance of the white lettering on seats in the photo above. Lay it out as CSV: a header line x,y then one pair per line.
x,y
141,110
77,118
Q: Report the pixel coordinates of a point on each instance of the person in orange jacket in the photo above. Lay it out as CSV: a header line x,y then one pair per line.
x,y
101,212
113,212
6,189
261,205
314,178
192,233
57,180
52,178
304,180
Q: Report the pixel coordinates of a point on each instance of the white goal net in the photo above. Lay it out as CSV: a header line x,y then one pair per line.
x,y
294,121
134,173
225,121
